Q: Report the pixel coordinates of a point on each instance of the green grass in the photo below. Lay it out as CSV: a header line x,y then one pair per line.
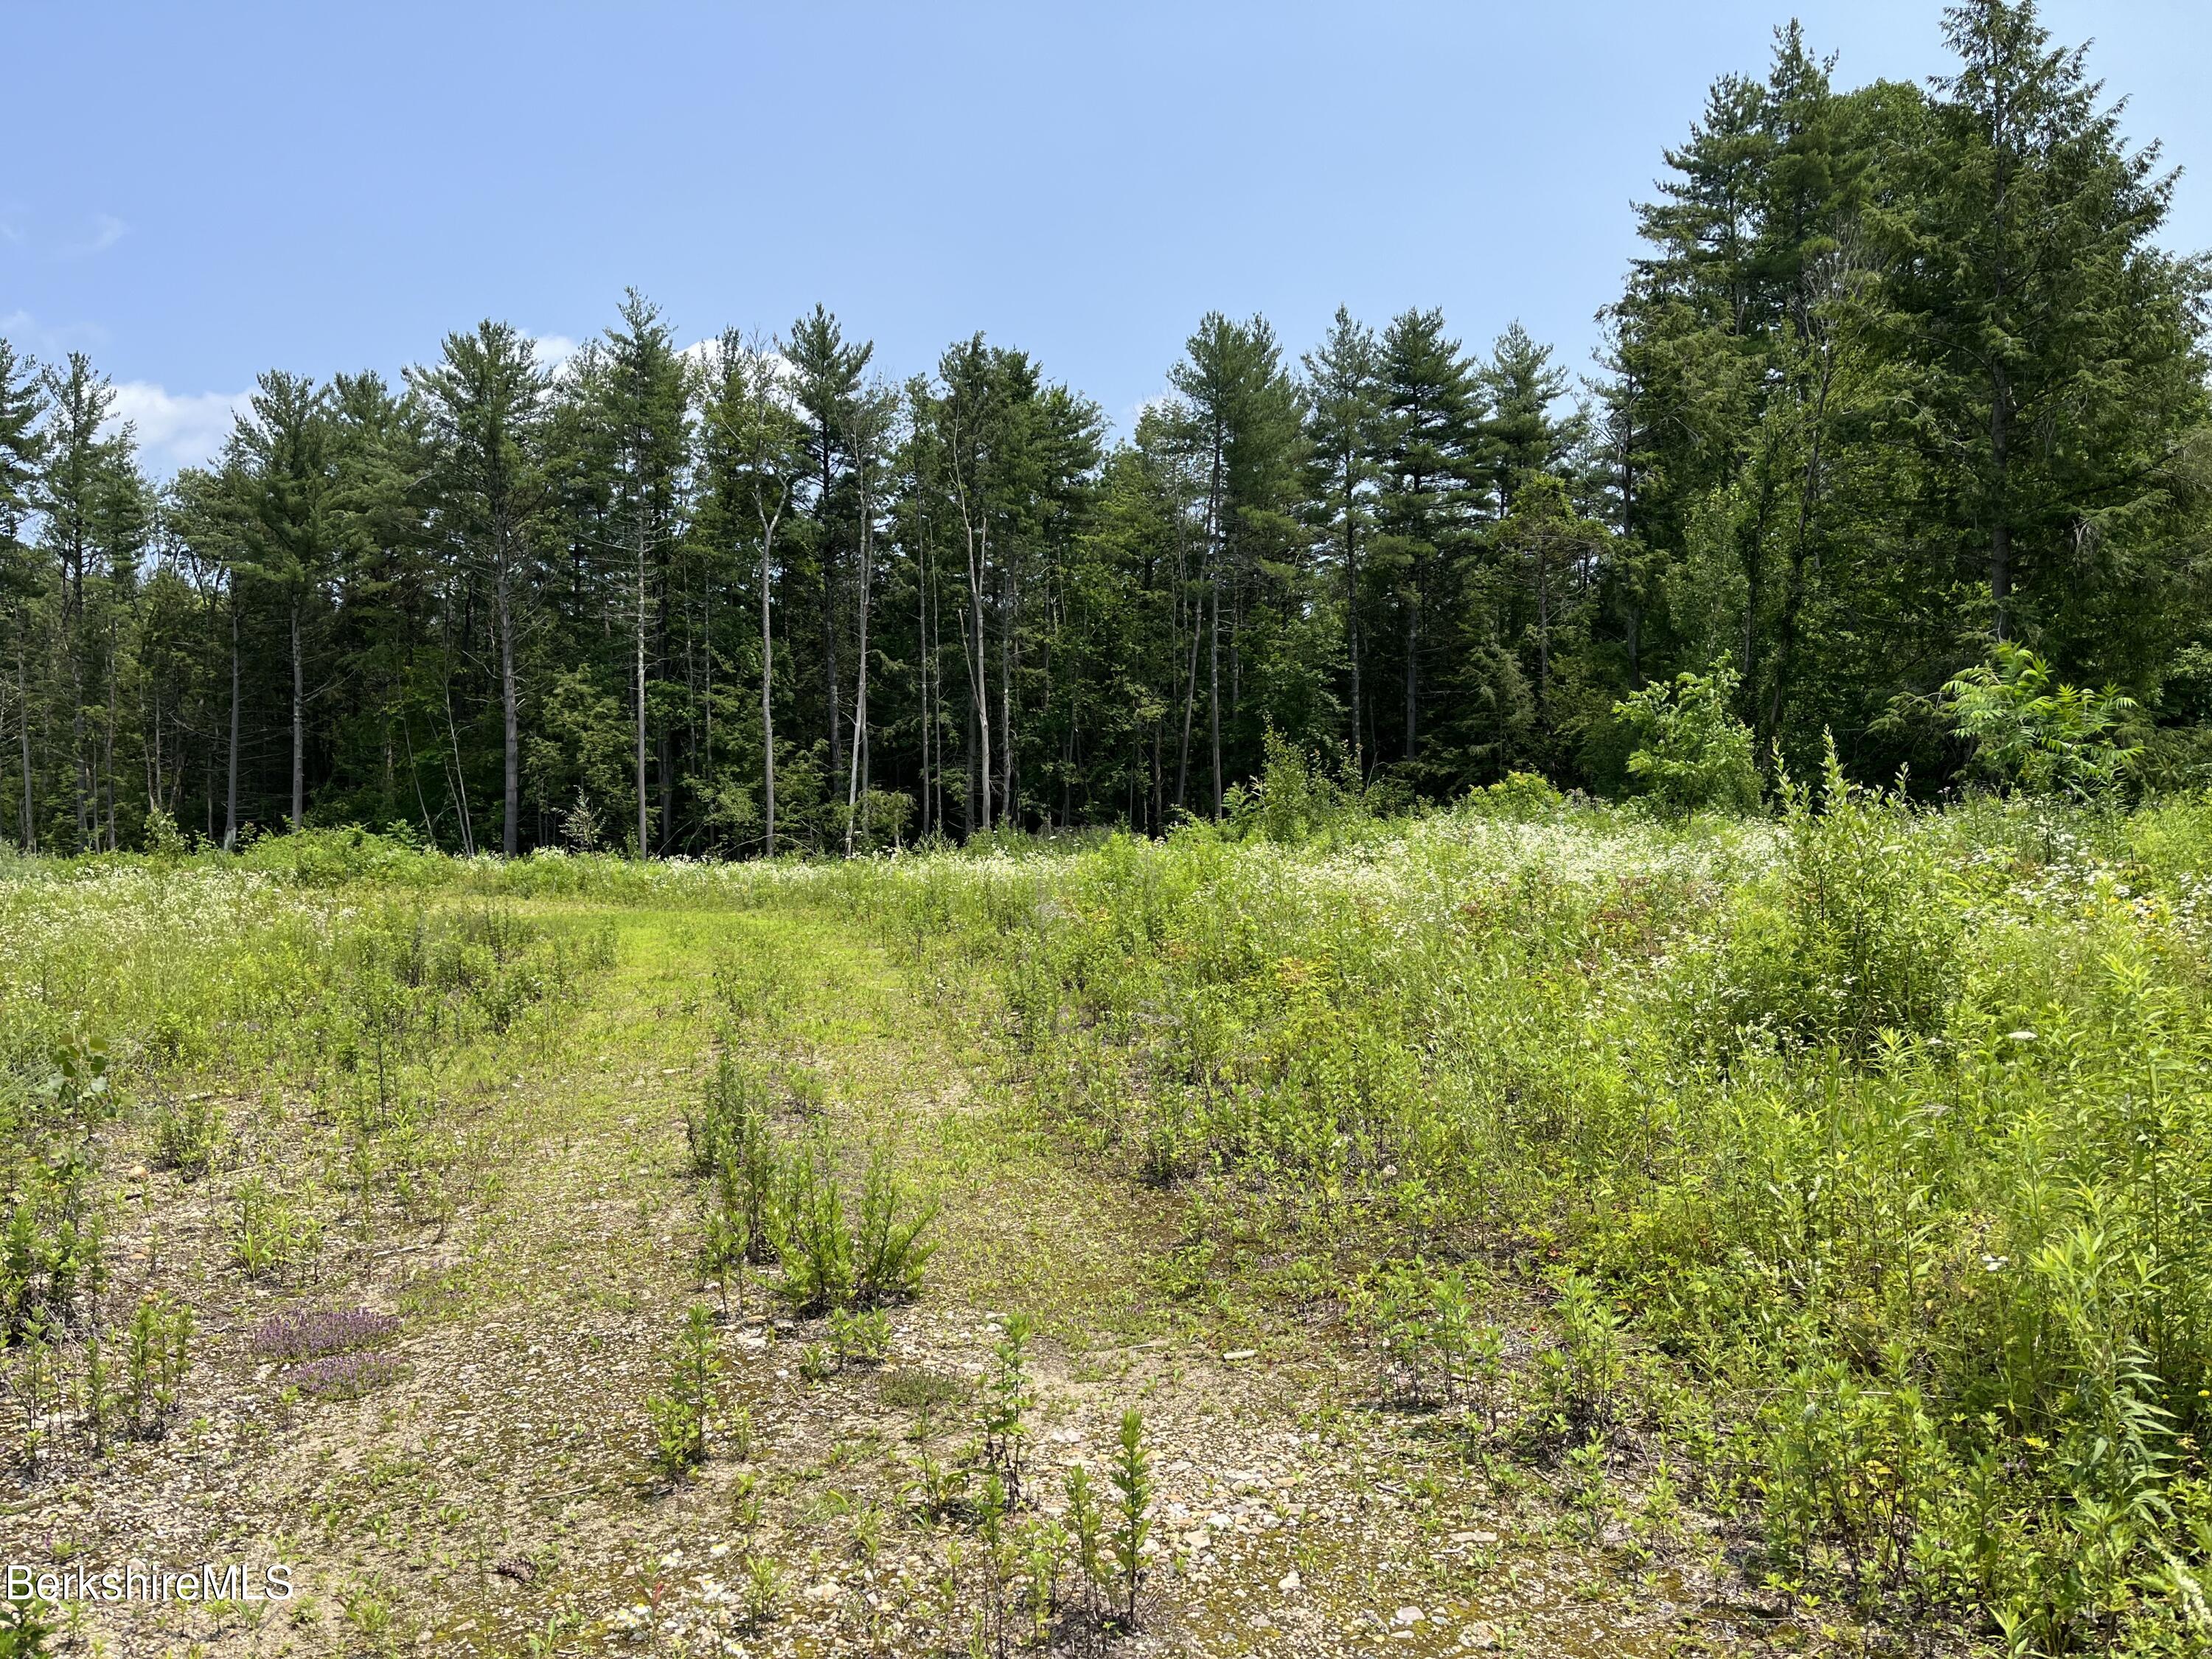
x,y
1832,1185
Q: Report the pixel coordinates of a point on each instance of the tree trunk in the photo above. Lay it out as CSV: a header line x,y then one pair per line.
x,y
644,828
1006,810
230,808
1352,617
512,815
1412,649
23,692
299,723
979,554
855,783
1213,685
1999,527
767,678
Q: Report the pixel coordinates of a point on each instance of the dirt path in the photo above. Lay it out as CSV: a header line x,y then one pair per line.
x,y
499,1498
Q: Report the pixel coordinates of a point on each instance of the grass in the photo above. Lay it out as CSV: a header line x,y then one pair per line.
x,y
1562,1218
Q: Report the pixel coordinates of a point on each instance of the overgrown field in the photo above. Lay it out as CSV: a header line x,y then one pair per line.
x,y
1818,1199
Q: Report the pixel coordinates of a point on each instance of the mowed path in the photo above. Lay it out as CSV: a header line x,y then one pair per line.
x,y
500,1498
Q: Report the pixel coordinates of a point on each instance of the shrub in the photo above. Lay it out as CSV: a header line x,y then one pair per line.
x,y
680,1411
157,1356
187,1133
1692,754
2030,733
889,1252
811,1240
1871,937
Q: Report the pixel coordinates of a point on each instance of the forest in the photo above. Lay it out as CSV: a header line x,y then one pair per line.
x,y
1897,375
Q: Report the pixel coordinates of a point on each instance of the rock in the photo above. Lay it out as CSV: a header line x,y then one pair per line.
x,y
1237,1356
1408,1616
1288,1582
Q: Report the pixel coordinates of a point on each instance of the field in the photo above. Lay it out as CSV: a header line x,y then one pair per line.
x,y
1528,1227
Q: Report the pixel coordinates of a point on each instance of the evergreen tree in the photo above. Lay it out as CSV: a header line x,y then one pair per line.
x,y
485,402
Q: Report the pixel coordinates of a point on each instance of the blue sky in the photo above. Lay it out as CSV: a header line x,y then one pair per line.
x,y
197,192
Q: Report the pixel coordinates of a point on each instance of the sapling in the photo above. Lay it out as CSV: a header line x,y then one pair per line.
x,y
157,1353
1133,1517
1007,1399
97,1391
764,1591
1086,1527
859,1337
811,1241
680,1413
890,1254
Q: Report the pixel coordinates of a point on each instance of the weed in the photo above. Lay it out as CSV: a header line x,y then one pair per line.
x,y
1008,1399
681,1410
1132,1521
157,1355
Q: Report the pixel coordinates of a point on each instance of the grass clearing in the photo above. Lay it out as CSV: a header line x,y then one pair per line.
x,y
1526,1224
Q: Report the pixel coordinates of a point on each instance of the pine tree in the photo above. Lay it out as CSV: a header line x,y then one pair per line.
x,y
1429,461
22,403
1344,401
485,401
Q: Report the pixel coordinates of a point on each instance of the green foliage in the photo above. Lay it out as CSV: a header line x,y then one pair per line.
x,y
272,1234
890,1253
680,1411
1009,1397
157,1356
813,1242
862,1336
1692,754
1864,938
1881,1120
1295,800
26,1630
1132,1520
2031,734
187,1133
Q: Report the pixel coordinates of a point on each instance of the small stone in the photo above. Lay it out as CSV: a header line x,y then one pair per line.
x,y
1288,1582
1237,1356
1408,1616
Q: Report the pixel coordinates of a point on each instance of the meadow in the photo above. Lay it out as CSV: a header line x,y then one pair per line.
x,y
1536,1223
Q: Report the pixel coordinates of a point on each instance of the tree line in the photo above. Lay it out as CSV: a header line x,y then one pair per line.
x,y
1899,375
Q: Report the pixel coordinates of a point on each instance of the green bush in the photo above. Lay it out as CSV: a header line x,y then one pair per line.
x,y
1689,751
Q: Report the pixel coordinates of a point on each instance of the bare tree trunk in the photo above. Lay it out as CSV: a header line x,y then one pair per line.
x,y
230,808
509,828
1352,617
2000,528
644,828
299,723
767,673
1006,808
23,693
978,682
853,782
1213,686
1412,647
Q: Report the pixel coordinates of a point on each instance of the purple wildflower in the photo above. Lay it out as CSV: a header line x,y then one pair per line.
x,y
345,1375
312,1331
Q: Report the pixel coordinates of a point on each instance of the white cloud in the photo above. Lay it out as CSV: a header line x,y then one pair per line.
x,y
554,351
51,345
176,429
106,231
